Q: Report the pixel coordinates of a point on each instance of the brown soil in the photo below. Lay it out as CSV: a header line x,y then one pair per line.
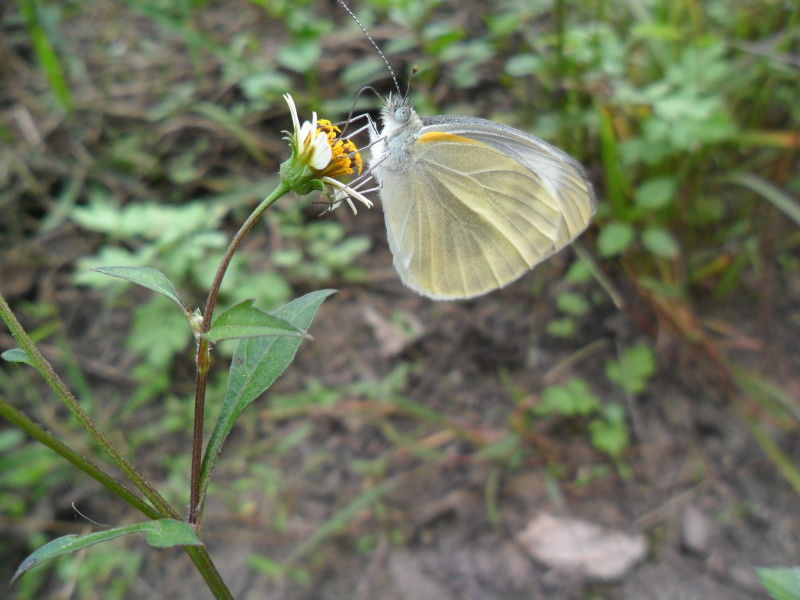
x,y
445,526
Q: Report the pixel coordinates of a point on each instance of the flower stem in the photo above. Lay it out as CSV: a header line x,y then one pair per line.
x,y
203,359
208,571
161,508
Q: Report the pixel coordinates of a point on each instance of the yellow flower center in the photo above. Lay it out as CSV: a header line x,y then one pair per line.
x,y
346,158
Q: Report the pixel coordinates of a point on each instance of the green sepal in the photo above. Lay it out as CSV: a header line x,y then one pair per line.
x,y
299,177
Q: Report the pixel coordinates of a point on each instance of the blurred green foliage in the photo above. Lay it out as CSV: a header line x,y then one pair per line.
x,y
184,241
781,583
683,112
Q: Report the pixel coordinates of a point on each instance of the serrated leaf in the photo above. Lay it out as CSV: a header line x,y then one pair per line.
x,y
781,583
257,363
246,321
160,533
148,277
17,355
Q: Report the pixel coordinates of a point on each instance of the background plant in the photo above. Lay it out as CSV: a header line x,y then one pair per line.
x,y
683,114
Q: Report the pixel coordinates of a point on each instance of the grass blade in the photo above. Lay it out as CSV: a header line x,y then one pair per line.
x,y
778,198
45,54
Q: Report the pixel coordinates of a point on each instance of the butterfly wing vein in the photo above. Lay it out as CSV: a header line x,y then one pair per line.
x,y
467,221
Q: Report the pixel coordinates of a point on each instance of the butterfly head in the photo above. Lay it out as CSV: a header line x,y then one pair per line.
x,y
398,115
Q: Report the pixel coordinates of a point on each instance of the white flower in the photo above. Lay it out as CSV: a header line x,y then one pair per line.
x,y
310,144
316,144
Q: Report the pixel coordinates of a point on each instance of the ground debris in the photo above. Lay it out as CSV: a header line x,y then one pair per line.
x,y
582,548
695,530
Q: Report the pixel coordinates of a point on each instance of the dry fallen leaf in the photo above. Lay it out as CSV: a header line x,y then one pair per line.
x,y
391,339
581,548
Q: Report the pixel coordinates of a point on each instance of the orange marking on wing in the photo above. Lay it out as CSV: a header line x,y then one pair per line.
x,y
440,136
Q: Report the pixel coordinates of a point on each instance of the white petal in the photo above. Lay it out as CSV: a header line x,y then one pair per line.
x,y
322,152
293,111
304,131
350,192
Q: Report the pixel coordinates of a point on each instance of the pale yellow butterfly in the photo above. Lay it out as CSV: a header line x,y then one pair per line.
x,y
471,205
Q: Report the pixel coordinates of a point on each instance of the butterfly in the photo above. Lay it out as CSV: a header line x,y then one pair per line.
x,y
471,205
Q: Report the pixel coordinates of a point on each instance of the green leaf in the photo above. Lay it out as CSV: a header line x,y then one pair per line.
x,y
572,398
257,363
614,238
633,369
523,64
265,84
561,328
610,434
579,271
16,355
339,520
246,321
656,193
161,533
572,304
301,55
231,123
148,277
661,242
365,69
781,583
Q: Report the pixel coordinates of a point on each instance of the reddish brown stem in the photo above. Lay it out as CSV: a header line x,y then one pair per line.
x,y
203,356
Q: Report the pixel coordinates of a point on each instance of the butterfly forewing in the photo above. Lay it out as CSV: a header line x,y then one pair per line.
x,y
565,176
469,222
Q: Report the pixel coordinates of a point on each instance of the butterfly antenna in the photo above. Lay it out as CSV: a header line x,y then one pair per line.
x,y
374,45
414,71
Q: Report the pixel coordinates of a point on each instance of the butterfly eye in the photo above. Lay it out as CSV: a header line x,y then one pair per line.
x,y
401,114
